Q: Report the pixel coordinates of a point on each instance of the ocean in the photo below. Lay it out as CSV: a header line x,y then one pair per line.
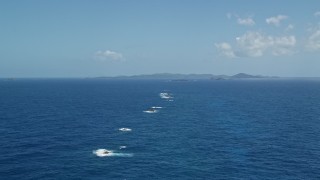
x,y
228,129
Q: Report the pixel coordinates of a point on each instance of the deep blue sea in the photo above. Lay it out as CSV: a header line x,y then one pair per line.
x,y
233,129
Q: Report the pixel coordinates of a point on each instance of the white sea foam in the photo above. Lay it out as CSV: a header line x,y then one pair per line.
x,y
165,95
102,152
105,152
156,107
125,129
122,147
151,111
123,154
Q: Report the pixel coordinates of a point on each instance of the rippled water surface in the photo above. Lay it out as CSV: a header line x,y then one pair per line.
x,y
245,129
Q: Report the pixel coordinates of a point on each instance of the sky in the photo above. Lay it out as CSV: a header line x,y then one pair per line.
x,y
90,38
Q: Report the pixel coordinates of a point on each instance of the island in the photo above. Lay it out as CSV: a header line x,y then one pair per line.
x,y
188,77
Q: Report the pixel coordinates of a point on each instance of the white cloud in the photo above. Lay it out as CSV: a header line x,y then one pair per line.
x,y
242,21
276,20
246,21
289,27
255,44
317,14
283,45
225,49
313,41
108,55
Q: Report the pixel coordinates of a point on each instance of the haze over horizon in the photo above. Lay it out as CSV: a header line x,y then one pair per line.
x,y
112,38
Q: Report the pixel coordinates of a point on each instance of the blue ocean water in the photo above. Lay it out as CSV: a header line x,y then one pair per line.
x,y
244,129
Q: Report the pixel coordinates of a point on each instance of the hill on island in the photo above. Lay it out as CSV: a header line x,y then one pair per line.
x,y
182,77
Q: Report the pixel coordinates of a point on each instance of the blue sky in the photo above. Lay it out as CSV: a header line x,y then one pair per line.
x,y
84,38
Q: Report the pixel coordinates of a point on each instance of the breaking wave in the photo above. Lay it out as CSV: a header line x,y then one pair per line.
x,y
105,153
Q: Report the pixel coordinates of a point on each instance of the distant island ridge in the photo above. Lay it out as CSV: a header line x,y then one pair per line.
x,y
182,77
